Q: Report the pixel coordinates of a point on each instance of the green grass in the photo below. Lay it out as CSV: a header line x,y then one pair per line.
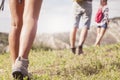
x,y
101,63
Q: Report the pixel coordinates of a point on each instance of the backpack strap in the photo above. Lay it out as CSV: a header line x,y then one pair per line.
x,y
2,5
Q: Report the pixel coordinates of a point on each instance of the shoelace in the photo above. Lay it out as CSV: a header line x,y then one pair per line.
x,y
2,5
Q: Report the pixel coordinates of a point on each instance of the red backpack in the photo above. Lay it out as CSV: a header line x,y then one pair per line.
x,y
99,15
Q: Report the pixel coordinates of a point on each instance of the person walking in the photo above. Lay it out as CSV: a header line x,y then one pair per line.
x,y
24,18
82,9
102,20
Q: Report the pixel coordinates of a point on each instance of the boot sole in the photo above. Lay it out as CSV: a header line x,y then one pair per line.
x,y
17,75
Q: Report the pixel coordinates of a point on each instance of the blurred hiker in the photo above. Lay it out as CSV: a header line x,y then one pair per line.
x,y
82,9
24,18
102,21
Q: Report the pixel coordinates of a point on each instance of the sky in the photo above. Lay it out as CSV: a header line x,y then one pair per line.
x,y
56,15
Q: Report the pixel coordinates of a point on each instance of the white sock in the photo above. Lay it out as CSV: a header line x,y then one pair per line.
x,y
24,59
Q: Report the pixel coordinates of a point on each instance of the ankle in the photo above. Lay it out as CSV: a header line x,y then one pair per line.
x,y
25,59
22,58
73,50
80,46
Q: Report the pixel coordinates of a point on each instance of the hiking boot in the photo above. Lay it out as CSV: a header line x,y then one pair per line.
x,y
73,50
80,50
19,70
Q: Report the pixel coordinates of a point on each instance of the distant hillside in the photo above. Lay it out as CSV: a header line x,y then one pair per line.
x,y
3,42
61,40
51,41
112,36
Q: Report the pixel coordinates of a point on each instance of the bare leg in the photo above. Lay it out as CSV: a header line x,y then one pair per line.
x,y
30,18
73,37
16,10
82,39
23,33
83,36
98,34
73,40
102,32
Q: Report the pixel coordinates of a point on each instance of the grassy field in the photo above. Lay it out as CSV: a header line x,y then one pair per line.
x,y
101,63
